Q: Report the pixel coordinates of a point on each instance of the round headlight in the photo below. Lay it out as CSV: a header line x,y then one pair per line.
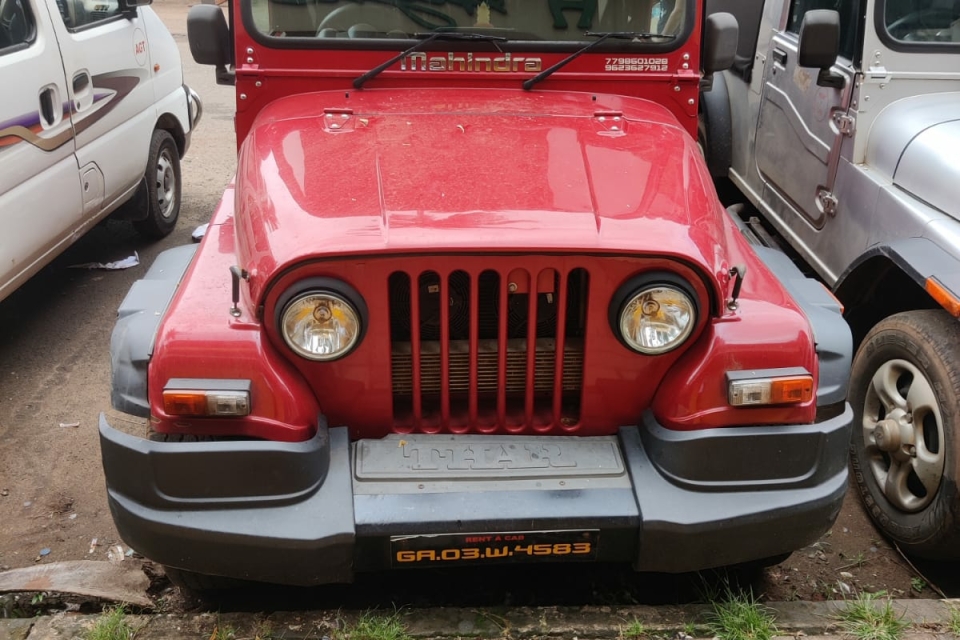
x,y
320,325
657,319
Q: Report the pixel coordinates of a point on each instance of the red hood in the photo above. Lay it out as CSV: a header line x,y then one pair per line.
x,y
405,171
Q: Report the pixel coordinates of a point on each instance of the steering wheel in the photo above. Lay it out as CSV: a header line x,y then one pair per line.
x,y
354,20
13,26
932,18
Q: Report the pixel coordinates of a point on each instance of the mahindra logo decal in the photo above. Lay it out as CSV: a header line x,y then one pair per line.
x,y
469,62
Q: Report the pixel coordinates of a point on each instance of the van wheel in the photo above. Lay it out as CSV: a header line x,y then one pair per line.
x,y
904,390
163,187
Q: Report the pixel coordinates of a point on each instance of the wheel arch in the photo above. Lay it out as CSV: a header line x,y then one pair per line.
x,y
892,277
716,127
171,124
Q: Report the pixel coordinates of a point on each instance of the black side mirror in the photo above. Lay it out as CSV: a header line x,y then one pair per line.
x,y
820,44
721,34
209,39
129,7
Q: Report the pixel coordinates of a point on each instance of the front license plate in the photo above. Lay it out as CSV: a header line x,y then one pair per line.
x,y
491,548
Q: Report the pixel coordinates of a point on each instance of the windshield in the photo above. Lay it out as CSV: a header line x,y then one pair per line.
x,y
922,21
515,20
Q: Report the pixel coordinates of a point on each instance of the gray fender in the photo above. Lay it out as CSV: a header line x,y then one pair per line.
x,y
715,111
918,258
831,333
138,319
834,342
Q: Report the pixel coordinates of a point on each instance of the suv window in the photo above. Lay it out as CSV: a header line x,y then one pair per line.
x,y
849,18
78,14
16,24
922,20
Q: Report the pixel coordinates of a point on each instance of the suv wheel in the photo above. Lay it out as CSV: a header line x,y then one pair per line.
x,y
163,187
905,389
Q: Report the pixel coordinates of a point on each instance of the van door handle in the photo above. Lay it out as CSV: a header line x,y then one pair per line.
x,y
49,112
82,87
780,57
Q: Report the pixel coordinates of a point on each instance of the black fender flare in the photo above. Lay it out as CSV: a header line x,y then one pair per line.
x,y
716,127
918,258
138,320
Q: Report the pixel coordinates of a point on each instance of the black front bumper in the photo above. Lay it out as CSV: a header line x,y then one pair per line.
x,y
318,511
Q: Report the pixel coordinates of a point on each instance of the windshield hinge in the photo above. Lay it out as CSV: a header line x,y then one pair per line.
x,y
338,119
846,124
611,122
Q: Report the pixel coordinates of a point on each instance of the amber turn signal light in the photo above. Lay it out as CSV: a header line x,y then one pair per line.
x,y
761,391
199,403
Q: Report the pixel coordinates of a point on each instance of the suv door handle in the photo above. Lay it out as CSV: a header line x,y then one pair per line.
x,y
780,57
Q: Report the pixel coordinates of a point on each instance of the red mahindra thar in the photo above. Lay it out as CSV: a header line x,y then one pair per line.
x,y
472,299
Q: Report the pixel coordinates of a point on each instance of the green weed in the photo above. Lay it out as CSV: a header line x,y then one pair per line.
x,y
112,625
868,617
374,626
739,616
634,630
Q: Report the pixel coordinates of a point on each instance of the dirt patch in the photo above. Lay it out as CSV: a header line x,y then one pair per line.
x,y
850,558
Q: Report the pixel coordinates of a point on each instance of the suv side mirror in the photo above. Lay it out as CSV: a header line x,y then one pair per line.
x,y
130,6
820,44
721,34
209,39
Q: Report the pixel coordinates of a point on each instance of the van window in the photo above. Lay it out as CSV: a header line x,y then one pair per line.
x,y
78,14
849,11
16,25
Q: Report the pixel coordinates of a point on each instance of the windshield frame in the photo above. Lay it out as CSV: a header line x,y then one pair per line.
x,y
399,44
906,46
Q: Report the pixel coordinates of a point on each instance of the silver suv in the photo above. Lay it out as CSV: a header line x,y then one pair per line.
x,y
840,122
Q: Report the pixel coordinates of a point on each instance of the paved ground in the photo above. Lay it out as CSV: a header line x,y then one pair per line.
x,y
930,620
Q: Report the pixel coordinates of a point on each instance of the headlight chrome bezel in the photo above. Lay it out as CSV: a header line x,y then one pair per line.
x,y
644,283
335,289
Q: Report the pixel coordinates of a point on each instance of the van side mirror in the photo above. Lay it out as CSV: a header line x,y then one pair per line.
x,y
721,34
820,45
209,39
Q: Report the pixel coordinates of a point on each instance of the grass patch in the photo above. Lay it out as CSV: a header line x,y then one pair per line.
x,y
953,625
374,626
634,630
870,617
112,625
739,616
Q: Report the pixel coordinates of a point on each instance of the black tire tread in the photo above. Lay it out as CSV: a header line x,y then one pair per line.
x,y
929,338
154,226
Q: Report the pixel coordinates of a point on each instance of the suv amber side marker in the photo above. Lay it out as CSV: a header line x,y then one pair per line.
x,y
943,297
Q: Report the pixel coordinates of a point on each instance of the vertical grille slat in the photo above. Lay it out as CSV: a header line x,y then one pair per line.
x,y
444,352
558,368
493,350
533,297
414,293
502,315
474,347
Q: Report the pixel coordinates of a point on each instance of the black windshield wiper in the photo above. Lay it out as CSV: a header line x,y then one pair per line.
x,y
601,37
427,39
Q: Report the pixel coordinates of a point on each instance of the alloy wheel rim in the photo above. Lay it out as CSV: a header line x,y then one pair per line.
x,y
903,435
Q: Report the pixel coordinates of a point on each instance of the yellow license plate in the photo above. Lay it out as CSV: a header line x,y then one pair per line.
x,y
490,548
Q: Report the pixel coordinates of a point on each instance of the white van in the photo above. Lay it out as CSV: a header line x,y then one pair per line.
x,y
94,118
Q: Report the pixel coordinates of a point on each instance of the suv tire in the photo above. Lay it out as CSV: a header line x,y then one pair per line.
x,y
905,390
